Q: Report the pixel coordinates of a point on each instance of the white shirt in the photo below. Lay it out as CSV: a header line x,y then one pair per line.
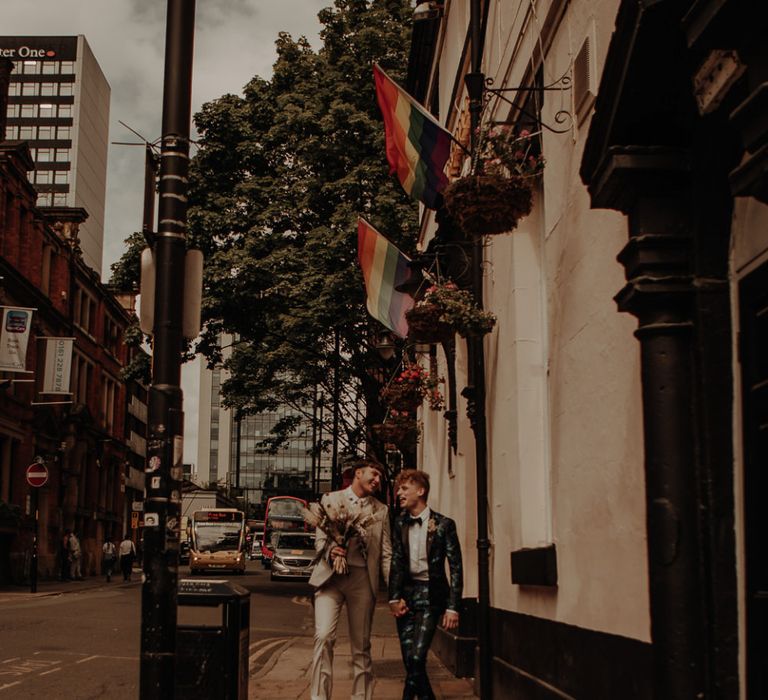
x,y
126,547
354,552
353,498
417,545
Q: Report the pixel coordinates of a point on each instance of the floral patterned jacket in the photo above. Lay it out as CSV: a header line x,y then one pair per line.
x,y
442,544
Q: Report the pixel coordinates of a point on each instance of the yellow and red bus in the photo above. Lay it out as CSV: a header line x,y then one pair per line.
x,y
217,540
283,514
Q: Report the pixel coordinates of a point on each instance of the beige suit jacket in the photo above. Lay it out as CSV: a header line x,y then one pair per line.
x,y
378,545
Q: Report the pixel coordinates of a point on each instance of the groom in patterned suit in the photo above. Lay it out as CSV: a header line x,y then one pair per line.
x,y
420,596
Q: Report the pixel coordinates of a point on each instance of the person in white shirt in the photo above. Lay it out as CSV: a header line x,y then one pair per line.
x,y
127,552
420,596
109,555
75,557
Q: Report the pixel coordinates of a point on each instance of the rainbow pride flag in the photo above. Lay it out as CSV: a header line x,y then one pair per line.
x,y
417,146
384,267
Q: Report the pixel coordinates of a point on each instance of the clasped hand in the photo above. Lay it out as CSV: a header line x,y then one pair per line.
x,y
338,552
398,608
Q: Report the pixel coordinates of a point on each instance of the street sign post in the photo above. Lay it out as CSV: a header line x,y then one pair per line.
x,y
37,476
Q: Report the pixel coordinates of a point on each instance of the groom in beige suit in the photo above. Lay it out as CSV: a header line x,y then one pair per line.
x,y
357,588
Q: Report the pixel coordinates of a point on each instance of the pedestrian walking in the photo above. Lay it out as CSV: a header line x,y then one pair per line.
x,y
75,557
64,558
109,555
353,582
420,596
127,552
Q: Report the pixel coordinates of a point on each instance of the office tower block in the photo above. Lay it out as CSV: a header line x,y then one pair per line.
x,y
59,103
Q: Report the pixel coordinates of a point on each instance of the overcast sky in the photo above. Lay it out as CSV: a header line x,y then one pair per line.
x,y
234,40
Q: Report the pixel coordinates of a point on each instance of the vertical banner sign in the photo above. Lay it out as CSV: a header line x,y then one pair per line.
x,y
58,364
14,336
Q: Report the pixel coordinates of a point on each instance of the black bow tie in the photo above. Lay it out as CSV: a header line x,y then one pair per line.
x,y
412,521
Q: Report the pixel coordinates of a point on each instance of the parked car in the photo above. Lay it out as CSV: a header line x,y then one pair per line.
x,y
256,552
184,552
294,556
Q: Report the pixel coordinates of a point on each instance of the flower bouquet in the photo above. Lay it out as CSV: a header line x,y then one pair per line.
x,y
458,310
340,524
500,192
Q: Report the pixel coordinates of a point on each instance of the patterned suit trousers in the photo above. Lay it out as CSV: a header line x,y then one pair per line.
x,y
416,629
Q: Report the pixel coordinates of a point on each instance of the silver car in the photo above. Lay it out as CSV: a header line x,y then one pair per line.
x,y
294,556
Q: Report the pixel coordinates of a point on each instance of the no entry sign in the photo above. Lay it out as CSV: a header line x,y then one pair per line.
x,y
37,475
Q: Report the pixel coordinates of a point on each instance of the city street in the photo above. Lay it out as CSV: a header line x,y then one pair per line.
x,y
85,644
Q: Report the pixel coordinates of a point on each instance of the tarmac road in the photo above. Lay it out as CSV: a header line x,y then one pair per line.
x,y
80,640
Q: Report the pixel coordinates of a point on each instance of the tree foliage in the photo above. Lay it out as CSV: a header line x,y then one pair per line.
x,y
280,177
278,183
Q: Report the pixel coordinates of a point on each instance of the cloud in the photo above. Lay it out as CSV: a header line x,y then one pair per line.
x,y
234,40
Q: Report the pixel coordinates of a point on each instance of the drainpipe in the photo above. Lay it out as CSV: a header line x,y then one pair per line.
x,y
475,390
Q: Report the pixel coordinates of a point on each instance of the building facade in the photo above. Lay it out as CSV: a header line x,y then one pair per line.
x,y
59,104
229,452
80,435
625,378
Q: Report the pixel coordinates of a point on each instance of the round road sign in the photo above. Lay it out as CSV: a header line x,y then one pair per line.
x,y
37,475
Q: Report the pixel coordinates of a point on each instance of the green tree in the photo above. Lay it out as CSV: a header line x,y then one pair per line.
x,y
280,177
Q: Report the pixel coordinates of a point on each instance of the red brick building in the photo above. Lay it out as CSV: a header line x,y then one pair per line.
x,y
82,442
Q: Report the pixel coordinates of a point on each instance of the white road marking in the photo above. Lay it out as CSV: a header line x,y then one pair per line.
x,y
9,685
53,670
87,658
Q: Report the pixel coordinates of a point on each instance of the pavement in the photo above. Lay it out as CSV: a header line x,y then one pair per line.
x,y
54,587
285,673
280,668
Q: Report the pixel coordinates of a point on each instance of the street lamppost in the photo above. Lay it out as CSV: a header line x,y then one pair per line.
x,y
165,425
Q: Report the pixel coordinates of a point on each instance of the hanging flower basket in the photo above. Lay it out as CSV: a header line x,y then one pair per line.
x,y
404,396
399,429
488,204
425,324
408,389
456,308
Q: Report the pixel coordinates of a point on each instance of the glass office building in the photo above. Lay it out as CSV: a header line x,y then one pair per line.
x,y
59,102
229,452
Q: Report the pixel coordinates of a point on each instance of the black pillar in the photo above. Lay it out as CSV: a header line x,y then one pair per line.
x,y
652,186
165,429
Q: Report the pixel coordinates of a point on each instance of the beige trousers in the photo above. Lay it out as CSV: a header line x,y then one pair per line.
x,y
354,589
